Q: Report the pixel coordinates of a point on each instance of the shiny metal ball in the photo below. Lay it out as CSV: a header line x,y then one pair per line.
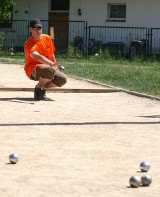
x,y
13,158
61,68
135,181
146,180
145,166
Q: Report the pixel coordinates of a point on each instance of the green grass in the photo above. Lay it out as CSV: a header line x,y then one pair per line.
x,y
12,59
139,75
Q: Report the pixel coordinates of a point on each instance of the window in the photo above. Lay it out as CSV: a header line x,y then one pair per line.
x,y
116,12
60,5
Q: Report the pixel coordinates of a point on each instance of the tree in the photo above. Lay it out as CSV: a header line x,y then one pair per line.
x,y
6,7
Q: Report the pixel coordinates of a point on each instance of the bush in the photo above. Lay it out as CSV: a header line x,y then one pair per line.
x,y
1,40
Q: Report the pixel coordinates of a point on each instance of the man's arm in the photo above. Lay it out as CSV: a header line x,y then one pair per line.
x,y
35,55
53,58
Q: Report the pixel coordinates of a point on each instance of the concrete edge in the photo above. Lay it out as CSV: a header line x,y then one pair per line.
x,y
121,89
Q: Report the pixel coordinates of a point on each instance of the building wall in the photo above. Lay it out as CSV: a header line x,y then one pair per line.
x,y
21,10
93,14
144,13
39,9
28,9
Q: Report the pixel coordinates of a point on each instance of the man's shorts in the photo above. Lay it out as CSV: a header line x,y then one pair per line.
x,y
47,72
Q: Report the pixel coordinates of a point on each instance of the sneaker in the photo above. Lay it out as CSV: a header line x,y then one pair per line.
x,y
44,97
43,93
38,93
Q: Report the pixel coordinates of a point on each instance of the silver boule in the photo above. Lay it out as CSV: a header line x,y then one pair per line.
x,y
146,180
145,166
135,181
61,68
13,158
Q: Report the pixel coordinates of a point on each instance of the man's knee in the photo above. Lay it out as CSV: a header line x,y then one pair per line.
x,y
59,80
63,81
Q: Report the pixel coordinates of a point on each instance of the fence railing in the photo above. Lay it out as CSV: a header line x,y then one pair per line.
x,y
71,37
155,41
122,38
14,34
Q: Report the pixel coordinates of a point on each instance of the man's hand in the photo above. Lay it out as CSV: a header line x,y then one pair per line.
x,y
55,65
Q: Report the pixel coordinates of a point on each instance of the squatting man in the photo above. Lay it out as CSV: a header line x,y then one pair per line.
x,y
41,64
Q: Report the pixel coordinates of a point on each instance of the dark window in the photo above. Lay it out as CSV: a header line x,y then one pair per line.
x,y
60,5
116,11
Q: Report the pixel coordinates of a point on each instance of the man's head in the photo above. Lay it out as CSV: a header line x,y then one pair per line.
x,y
35,23
36,28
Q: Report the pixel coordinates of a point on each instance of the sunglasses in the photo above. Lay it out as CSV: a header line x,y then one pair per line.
x,y
37,28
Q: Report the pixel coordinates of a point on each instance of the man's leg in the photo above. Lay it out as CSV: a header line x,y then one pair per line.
x,y
44,74
40,90
59,80
43,81
47,77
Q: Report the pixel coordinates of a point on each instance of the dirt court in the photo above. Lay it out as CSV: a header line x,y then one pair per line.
x,y
79,144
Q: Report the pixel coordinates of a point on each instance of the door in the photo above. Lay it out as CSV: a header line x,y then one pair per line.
x,y
58,18
61,28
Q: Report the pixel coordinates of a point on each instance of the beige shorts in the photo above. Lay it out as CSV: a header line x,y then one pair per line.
x,y
47,72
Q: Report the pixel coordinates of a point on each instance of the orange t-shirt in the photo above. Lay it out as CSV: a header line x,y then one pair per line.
x,y
44,46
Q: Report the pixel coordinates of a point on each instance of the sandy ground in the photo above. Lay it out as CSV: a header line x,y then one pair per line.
x,y
79,144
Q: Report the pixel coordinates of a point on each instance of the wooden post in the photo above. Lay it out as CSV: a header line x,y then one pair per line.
x,y
52,33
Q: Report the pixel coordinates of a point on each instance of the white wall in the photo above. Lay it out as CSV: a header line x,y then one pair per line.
x,y
92,11
39,9
21,10
143,13
28,9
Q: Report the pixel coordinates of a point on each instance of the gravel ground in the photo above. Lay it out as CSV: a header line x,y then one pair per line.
x,y
78,144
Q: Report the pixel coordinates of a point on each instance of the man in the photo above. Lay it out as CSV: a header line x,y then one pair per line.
x,y
41,64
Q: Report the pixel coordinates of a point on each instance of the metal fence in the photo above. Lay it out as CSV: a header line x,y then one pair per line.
x,y
71,37
12,36
14,33
128,41
155,41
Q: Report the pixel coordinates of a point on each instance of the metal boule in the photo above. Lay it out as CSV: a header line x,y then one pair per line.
x,y
145,166
61,68
146,180
135,181
13,158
